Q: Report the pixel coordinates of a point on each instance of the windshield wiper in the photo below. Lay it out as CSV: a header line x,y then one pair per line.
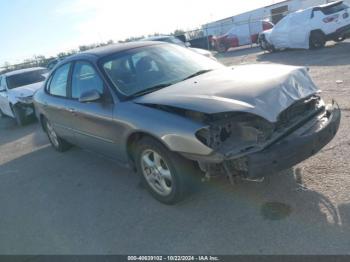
x,y
160,86
200,72
151,89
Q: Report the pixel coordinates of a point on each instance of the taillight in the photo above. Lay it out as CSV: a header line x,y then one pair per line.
x,y
331,18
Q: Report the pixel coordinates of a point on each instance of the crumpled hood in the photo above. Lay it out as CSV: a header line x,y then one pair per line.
x,y
28,90
263,90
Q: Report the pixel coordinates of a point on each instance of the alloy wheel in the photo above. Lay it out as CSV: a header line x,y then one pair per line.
x,y
52,134
156,172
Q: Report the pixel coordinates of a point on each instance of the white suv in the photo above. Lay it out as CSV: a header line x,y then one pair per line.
x,y
309,28
16,92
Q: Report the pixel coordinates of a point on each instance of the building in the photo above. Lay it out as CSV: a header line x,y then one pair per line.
x,y
273,13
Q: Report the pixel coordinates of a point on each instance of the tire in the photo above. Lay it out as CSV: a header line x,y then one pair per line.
x,y
19,115
262,45
317,40
167,176
222,48
266,46
58,143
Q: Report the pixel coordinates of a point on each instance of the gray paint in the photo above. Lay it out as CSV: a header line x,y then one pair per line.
x,y
105,127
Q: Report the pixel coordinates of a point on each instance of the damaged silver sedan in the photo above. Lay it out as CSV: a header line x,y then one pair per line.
x,y
171,114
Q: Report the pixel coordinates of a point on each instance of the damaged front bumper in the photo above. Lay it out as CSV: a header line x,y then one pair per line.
x,y
26,107
282,154
298,146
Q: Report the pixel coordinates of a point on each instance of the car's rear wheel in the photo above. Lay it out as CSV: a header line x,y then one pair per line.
x,y
222,48
58,143
167,176
317,40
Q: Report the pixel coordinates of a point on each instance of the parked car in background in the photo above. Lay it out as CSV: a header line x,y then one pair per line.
x,y
309,29
176,41
16,92
171,114
241,34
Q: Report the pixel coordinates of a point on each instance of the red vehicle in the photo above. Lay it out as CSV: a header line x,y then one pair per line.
x,y
239,35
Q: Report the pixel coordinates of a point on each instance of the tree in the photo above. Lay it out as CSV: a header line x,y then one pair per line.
x,y
179,32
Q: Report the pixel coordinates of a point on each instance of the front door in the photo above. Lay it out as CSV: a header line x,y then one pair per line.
x,y
92,121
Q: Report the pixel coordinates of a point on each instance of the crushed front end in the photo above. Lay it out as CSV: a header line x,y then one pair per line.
x,y
251,147
25,105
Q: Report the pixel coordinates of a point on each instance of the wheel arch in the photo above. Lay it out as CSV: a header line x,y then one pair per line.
x,y
317,31
132,140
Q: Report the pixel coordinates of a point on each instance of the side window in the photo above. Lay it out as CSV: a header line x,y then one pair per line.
x,y
3,82
85,78
58,83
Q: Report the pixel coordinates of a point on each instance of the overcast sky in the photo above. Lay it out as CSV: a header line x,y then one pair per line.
x,y
34,27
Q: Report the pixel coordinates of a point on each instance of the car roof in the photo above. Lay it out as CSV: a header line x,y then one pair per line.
x,y
153,38
21,71
331,4
111,49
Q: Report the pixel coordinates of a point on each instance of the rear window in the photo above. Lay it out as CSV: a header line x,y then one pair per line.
x,y
332,9
27,78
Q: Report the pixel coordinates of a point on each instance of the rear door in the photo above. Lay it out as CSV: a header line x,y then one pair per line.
x,y
92,122
55,105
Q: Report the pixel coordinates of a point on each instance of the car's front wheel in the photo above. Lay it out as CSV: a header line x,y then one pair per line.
x,y
19,115
264,45
58,143
167,176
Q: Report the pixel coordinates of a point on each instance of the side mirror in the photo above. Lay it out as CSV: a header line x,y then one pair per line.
x,y
89,96
188,44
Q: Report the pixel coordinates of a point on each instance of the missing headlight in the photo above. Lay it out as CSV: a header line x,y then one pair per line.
x,y
238,130
203,135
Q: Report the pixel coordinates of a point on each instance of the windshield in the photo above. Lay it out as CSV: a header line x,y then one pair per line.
x,y
158,66
27,78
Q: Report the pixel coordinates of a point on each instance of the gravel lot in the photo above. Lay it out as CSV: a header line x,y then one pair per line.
x,y
80,203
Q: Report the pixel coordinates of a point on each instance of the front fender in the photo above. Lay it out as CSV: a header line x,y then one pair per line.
x,y
12,98
176,132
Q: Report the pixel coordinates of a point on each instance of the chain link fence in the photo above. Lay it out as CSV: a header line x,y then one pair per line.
x,y
231,33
